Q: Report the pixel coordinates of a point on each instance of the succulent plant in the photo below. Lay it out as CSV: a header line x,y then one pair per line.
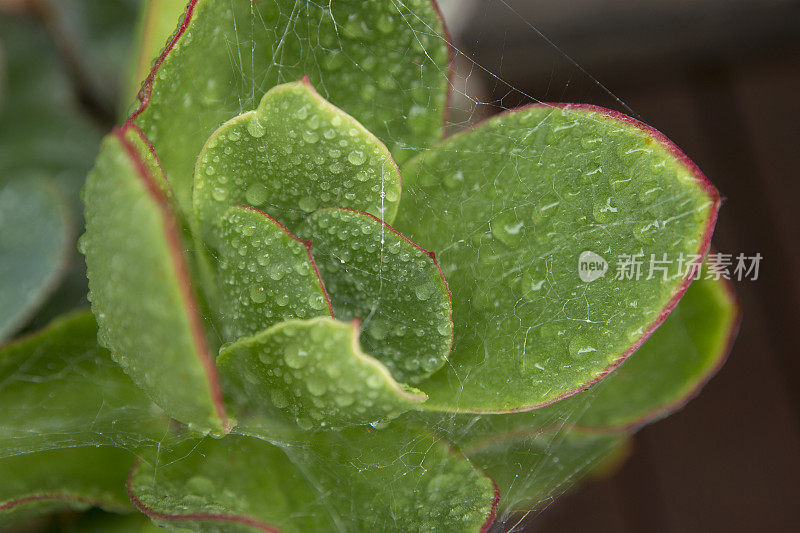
x,y
311,311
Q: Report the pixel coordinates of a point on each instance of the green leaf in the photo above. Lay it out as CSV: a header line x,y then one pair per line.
x,y
315,371
158,22
56,480
93,37
51,135
35,245
60,389
385,63
140,288
266,275
533,467
670,367
533,457
59,68
354,480
510,207
293,154
395,287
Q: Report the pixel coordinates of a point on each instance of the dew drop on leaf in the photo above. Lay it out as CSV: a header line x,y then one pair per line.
x,y
255,128
258,295
356,157
256,194
219,193
307,204
294,357
580,347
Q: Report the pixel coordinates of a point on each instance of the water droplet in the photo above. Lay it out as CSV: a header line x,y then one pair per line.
x,y
508,229
334,60
646,232
377,330
356,157
305,423
374,381
343,400
279,398
430,364
547,207
453,181
256,194
307,204
424,290
580,346
219,194
650,191
379,424
295,357
258,295
590,143
604,211
385,24
391,195
368,91
316,302
620,183
532,282
255,128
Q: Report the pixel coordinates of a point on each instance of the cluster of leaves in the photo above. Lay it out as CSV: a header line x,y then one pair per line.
x,y
265,351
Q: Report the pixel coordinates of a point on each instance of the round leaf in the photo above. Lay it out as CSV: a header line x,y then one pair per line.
x,y
266,275
512,208
140,288
385,63
315,371
293,154
395,287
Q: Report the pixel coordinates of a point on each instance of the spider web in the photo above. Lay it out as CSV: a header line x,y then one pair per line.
x,y
470,103
470,85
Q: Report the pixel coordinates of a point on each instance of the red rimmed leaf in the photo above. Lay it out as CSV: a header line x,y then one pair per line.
x,y
266,275
140,287
295,153
60,389
531,459
392,285
366,480
394,54
661,377
315,372
57,480
510,207
668,370
531,468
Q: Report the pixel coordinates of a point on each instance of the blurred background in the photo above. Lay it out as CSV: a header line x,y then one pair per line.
x,y
719,77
